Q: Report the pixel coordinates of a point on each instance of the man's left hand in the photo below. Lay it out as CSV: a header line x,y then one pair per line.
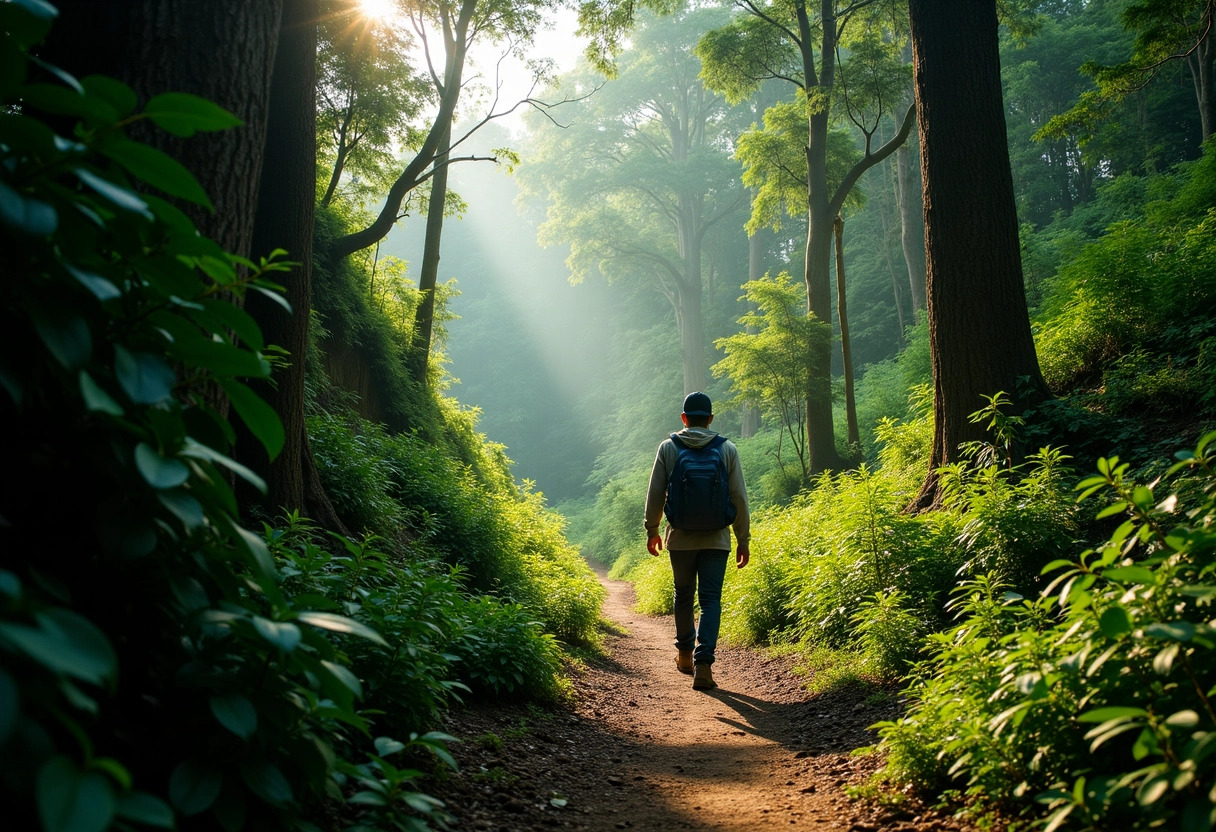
x,y
743,555
654,544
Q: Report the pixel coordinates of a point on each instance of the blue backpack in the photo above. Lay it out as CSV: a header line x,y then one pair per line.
x,y
698,493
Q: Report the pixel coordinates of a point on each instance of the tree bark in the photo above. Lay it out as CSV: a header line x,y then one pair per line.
x,y
222,50
979,327
428,276
850,401
284,219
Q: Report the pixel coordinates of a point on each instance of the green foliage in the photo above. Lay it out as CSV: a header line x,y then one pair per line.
x,y
1133,310
161,670
774,163
503,539
1089,706
770,363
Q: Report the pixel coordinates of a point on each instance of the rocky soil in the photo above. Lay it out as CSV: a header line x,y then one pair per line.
x,y
640,749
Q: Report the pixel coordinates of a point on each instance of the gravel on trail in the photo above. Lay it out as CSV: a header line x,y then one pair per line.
x,y
638,748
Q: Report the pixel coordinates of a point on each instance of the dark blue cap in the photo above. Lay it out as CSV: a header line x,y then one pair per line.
x,y
698,404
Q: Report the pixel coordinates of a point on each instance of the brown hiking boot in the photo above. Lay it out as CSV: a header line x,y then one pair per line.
x,y
703,678
684,661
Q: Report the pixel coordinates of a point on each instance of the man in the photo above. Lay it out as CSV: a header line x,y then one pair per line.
x,y
698,529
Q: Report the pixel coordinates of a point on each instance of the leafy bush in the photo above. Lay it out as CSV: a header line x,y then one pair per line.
x,y
155,669
1089,706
502,539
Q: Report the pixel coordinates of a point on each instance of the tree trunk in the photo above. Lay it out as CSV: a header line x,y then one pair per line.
x,y
755,270
850,401
284,219
222,50
979,328
428,276
911,224
1200,63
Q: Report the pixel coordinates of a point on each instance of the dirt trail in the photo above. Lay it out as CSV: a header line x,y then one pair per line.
x,y
642,750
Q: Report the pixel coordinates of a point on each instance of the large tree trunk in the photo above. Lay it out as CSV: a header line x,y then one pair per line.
x,y
817,272
428,276
284,219
222,50
979,328
850,400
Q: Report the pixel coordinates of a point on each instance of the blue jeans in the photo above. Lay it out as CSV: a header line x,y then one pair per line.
x,y
701,571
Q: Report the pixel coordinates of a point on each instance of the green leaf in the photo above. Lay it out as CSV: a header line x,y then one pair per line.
x,y
26,214
1182,719
63,101
27,21
183,114
1152,790
1142,497
258,416
1115,622
194,786
1174,631
101,288
96,399
386,746
115,93
266,781
1113,508
198,450
1130,575
70,800
1113,712
341,624
368,798
236,713
218,357
218,314
157,471
66,336
158,169
282,634
343,676
184,507
147,809
65,642
121,197
145,378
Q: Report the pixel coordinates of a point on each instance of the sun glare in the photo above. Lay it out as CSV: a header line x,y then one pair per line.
x,y
380,10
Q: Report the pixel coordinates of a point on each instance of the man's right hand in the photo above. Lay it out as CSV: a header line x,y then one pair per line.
x,y
655,544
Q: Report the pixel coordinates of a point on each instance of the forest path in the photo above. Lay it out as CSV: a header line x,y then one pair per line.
x,y
730,758
640,749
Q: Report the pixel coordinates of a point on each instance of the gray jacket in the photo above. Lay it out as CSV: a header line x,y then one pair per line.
x,y
656,495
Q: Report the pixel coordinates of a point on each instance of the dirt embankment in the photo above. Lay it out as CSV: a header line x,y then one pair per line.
x,y
640,749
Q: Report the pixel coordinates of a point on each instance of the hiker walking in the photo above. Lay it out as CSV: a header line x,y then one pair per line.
x,y
697,482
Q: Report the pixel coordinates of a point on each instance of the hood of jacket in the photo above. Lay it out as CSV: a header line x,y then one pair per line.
x,y
696,437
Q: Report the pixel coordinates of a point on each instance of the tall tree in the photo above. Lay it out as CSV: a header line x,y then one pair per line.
x,y
642,175
498,21
979,328
799,43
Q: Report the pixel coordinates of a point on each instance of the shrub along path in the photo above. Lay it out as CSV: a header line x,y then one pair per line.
x,y
640,749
